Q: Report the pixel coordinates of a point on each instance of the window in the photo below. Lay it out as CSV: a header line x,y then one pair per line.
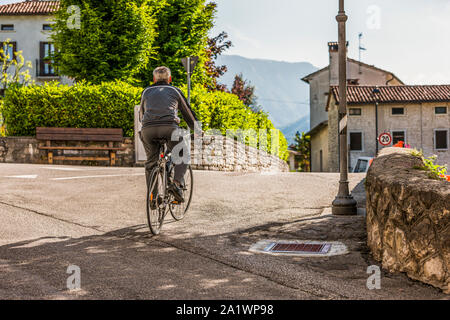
x,y
361,166
356,141
398,111
47,27
354,111
398,136
9,49
47,49
441,139
7,27
440,110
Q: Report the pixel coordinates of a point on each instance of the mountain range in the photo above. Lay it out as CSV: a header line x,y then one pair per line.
x,y
278,88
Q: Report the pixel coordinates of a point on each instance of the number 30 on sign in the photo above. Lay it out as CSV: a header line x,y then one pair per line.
x,y
385,139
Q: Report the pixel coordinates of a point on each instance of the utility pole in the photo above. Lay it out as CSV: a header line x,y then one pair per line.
x,y
189,78
376,92
343,204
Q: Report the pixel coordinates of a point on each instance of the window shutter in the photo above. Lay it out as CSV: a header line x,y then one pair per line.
x,y
14,44
41,57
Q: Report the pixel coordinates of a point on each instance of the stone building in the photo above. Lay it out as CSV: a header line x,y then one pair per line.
x,y
417,115
358,73
28,25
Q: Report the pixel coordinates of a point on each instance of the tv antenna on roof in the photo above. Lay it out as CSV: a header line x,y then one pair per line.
x,y
361,48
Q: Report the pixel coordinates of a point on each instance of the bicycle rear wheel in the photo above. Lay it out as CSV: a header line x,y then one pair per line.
x,y
156,206
178,210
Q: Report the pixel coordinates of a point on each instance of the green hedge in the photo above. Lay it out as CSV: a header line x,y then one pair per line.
x,y
107,105
111,105
2,124
222,111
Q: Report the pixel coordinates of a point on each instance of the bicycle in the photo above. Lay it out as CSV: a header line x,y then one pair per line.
x,y
159,200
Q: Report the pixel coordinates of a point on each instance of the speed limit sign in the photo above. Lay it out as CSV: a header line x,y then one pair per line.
x,y
385,138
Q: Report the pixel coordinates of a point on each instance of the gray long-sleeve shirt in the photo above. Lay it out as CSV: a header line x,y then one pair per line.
x,y
160,104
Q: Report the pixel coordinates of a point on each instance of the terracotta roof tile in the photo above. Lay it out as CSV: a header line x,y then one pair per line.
x,y
395,94
29,8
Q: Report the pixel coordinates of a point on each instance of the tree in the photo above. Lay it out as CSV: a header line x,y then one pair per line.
x,y
182,27
12,66
303,146
245,91
216,46
112,41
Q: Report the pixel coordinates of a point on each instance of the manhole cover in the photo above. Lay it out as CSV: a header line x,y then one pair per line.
x,y
307,248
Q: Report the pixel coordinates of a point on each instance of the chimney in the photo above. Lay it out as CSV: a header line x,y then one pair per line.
x,y
333,50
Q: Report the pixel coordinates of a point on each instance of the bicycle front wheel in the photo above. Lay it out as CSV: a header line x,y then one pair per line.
x,y
156,206
178,210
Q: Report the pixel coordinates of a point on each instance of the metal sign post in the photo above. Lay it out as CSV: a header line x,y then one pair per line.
x,y
189,64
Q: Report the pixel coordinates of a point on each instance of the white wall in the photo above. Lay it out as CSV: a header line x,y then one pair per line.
x,y
419,123
321,82
28,34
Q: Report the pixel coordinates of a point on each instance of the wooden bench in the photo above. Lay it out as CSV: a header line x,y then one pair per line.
x,y
80,134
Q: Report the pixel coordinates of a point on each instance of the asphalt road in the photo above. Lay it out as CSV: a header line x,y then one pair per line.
x,y
53,217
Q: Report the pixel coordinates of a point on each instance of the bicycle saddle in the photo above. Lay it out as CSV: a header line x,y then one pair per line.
x,y
161,140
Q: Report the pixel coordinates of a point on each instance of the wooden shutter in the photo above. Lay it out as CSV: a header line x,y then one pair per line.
x,y
441,139
355,141
41,57
14,44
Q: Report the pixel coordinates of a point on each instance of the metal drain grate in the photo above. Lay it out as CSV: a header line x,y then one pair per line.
x,y
300,248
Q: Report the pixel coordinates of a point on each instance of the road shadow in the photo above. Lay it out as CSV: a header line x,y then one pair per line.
x,y
123,264
129,263
359,194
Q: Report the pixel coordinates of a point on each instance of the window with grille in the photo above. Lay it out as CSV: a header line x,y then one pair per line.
x,y
441,139
398,136
398,111
356,141
7,27
354,111
440,110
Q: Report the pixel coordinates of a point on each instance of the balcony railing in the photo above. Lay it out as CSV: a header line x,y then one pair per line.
x,y
44,68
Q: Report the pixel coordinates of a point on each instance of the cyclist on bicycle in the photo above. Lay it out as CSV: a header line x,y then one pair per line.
x,y
159,116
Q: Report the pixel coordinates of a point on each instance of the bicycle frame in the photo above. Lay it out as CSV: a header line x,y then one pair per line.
x,y
164,165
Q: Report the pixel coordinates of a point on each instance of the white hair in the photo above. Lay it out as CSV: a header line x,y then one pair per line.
x,y
161,74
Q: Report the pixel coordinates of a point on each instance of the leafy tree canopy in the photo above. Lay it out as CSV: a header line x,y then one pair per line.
x,y
113,39
216,46
245,91
303,146
182,30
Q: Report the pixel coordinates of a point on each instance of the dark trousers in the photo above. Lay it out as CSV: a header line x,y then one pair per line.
x,y
148,135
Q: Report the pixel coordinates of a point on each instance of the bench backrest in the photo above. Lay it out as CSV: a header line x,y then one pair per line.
x,y
79,134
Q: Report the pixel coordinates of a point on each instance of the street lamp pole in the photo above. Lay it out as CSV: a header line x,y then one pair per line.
x,y
375,92
343,204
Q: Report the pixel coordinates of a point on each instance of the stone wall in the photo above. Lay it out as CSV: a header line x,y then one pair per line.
x,y
221,154
217,153
25,150
408,218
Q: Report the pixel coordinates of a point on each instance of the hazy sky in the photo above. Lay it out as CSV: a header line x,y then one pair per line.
x,y
408,37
